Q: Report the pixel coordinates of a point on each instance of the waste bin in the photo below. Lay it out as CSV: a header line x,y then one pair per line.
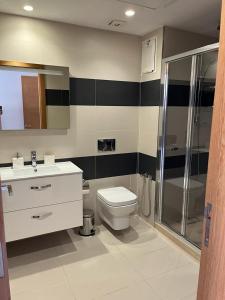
x,y
88,223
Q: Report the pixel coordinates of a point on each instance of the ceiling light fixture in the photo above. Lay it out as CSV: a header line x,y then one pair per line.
x,y
28,8
130,13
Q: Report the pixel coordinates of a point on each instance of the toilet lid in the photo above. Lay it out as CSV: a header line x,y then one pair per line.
x,y
117,196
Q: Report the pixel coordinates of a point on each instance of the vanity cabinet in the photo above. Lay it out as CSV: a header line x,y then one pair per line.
x,y
36,221
40,205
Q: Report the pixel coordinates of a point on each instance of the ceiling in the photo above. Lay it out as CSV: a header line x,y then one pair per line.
x,y
201,16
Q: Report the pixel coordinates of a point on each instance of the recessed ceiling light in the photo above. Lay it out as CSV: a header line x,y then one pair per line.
x,y
130,13
28,8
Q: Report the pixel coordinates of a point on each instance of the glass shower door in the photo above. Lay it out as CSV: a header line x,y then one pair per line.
x,y
175,133
199,145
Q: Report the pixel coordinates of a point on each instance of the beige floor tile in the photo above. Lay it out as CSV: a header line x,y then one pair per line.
x,y
102,275
159,262
139,224
110,265
56,292
35,275
140,291
34,263
177,284
83,249
26,295
143,244
190,297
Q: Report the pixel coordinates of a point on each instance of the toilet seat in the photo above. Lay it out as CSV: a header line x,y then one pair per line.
x,y
117,196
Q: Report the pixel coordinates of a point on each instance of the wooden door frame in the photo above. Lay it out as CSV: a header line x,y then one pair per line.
x,y
212,268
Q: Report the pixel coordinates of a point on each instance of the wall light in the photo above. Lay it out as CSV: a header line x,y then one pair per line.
x,y
130,13
28,8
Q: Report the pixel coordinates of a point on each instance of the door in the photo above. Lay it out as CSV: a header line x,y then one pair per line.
x,y
175,148
212,268
203,101
34,106
4,279
31,106
189,89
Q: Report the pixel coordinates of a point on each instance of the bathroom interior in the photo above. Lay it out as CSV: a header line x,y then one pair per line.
x,y
105,121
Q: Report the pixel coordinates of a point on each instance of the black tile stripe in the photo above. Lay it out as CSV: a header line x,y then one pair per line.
x,y
124,93
104,92
199,163
57,97
114,93
174,165
178,94
151,93
82,91
176,161
119,93
147,164
116,165
86,163
206,92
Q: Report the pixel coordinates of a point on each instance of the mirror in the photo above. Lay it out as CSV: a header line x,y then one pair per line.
x,y
33,96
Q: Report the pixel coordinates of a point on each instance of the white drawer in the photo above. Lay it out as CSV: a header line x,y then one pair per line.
x,y
42,191
37,221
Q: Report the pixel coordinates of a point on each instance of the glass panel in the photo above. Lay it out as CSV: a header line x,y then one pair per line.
x,y
200,139
179,76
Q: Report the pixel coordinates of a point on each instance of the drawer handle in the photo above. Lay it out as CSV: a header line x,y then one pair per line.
x,y
41,187
41,216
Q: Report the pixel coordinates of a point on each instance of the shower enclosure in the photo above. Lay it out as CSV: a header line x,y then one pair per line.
x,y
185,126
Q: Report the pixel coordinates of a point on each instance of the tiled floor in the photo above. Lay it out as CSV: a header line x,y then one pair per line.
x,y
136,264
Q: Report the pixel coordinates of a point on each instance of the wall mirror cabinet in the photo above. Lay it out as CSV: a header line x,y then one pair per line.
x,y
33,96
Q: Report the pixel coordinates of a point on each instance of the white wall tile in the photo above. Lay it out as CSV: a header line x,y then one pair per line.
x,y
148,130
116,118
81,139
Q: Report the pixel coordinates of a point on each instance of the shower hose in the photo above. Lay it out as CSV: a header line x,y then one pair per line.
x,y
145,200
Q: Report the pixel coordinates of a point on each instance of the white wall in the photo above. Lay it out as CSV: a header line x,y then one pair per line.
x,y
89,53
177,41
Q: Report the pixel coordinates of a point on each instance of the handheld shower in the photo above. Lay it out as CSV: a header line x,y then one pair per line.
x,y
145,199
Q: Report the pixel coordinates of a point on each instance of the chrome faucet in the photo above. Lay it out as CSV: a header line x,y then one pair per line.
x,y
34,160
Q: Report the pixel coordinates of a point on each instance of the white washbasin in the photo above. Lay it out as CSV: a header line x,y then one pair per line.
x,y
10,174
29,170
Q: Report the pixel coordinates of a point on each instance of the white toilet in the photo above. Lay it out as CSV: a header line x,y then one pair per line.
x,y
115,205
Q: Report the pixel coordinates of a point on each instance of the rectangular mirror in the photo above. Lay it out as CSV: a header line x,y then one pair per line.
x,y
33,96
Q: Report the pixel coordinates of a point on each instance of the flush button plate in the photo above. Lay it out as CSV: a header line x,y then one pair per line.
x,y
106,145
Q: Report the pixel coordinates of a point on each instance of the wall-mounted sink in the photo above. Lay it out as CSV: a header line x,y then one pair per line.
x,y
42,170
29,170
